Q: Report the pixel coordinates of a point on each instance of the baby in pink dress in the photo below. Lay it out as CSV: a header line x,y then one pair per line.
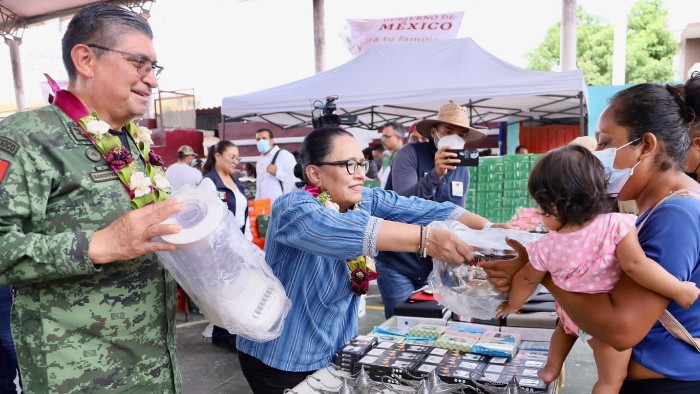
x,y
586,250
582,261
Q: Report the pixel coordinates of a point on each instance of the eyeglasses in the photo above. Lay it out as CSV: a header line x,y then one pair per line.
x,y
384,136
351,165
144,65
233,157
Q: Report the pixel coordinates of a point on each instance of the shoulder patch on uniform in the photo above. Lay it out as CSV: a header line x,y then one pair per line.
x,y
77,134
4,165
103,176
8,146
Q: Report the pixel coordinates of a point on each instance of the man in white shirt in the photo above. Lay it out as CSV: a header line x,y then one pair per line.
x,y
275,168
393,134
182,173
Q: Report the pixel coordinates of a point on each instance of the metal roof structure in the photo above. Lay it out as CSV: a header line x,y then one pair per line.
x,y
18,15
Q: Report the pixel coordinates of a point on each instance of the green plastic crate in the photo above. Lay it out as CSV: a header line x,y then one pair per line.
x,y
512,193
516,174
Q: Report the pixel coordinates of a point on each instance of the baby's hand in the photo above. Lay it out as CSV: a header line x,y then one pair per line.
x,y
686,295
505,309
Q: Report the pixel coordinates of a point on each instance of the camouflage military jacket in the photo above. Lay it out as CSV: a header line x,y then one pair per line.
x,y
77,327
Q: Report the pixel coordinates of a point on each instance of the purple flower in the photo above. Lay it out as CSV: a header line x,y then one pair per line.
x,y
154,159
119,157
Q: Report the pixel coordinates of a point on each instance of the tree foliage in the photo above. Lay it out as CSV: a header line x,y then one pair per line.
x,y
650,46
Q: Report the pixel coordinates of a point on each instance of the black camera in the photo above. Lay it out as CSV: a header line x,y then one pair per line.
x,y
328,118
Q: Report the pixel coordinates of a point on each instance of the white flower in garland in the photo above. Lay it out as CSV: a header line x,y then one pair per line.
x,y
98,128
143,134
140,184
162,183
330,204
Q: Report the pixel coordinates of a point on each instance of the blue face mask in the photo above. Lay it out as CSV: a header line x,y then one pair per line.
x,y
263,146
616,179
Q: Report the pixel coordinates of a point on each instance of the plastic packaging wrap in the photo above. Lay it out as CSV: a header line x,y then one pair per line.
x,y
465,289
224,274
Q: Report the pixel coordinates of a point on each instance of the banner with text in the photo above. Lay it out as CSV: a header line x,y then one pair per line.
x,y
364,33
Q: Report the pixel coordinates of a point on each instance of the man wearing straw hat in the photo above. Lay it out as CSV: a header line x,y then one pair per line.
x,y
429,171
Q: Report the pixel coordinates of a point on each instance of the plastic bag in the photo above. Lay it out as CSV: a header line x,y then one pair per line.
x,y
465,289
224,274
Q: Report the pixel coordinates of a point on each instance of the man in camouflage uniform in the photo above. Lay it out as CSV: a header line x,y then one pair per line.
x,y
93,311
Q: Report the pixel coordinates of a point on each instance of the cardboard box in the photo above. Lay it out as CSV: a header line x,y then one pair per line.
x,y
410,321
531,384
462,373
532,319
403,347
357,347
390,366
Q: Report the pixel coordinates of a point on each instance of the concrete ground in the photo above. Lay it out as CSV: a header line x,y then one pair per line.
x,y
209,369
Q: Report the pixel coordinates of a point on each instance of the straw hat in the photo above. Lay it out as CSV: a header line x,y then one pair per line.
x,y
455,115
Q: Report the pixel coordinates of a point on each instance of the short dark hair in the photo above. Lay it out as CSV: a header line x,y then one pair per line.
x,y
519,148
102,24
315,148
399,129
569,184
269,132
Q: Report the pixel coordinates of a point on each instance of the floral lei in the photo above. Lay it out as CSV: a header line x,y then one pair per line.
x,y
143,188
361,272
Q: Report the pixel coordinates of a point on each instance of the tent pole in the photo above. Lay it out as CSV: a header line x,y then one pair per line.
x,y
580,106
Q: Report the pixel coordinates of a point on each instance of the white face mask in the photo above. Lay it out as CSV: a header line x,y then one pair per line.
x,y
452,141
616,178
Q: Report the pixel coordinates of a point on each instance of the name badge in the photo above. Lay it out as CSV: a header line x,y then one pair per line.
x,y
457,189
222,196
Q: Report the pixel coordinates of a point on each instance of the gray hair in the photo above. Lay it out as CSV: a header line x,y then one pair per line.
x,y
102,24
399,129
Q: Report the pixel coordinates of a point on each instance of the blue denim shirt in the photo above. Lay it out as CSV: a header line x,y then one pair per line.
x,y
307,248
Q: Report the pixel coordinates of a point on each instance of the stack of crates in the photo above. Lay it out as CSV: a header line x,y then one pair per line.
x,y
258,209
498,186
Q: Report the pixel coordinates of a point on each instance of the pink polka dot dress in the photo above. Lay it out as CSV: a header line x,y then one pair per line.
x,y
583,261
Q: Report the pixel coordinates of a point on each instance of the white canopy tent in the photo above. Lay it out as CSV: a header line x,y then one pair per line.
x,y
409,82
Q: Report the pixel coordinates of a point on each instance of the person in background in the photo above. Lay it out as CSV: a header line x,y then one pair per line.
x,y
521,150
644,134
315,234
692,157
378,157
373,171
182,173
249,169
93,309
222,159
427,170
393,134
10,381
568,185
248,180
274,169
414,135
